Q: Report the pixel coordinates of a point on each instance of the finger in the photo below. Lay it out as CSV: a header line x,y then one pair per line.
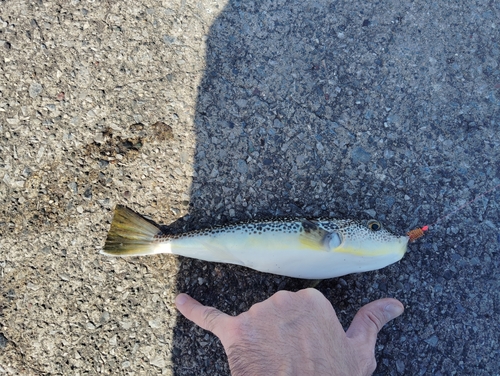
x,y
371,318
208,318
318,301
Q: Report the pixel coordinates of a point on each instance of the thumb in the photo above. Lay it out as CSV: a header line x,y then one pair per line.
x,y
371,318
208,318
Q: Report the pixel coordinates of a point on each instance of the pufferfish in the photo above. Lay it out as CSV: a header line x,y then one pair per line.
x,y
299,248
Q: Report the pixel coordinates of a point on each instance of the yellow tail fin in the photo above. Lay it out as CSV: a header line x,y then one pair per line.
x,y
130,234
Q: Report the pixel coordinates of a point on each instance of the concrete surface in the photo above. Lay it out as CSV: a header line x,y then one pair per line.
x,y
209,112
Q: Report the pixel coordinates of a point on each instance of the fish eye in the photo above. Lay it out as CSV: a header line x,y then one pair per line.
x,y
374,225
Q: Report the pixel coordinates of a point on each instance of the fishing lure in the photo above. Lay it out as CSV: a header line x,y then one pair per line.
x,y
417,233
300,248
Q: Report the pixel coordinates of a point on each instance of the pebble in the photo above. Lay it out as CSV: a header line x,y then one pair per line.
x,y
155,324
35,89
400,366
372,213
3,341
73,187
104,317
167,39
158,361
432,341
360,155
113,340
241,166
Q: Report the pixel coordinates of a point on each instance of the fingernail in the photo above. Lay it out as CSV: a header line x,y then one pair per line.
x,y
181,299
394,310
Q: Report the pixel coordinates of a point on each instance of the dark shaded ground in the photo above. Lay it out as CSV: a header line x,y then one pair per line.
x,y
344,109
359,110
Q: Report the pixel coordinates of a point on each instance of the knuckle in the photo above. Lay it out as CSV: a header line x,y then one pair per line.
x,y
282,297
316,299
256,310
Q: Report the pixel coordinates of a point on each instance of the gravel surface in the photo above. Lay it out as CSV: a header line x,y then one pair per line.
x,y
203,113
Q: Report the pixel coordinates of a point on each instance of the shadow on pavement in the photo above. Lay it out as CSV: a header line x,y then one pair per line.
x,y
342,110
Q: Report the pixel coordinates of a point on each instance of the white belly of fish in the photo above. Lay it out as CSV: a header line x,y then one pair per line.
x,y
285,254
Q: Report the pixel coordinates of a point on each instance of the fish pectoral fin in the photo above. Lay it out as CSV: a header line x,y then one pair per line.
x,y
313,236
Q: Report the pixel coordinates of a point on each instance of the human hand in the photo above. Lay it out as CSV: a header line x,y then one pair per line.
x,y
295,334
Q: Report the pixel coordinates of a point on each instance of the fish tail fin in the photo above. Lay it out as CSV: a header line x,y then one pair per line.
x,y
130,234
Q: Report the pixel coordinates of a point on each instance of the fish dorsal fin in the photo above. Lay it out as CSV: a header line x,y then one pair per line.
x,y
313,236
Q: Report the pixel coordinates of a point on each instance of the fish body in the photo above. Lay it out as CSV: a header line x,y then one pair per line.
x,y
300,248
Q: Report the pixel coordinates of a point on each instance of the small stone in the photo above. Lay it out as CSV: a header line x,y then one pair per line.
x,y
35,89
113,340
6,179
87,195
167,39
155,324
3,341
360,155
372,213
400,366
126,324
79,209
448,274
104,317
105,202
158,362
300,159
27,172
73,187
389,201
32,286
241,166
388,154
432,341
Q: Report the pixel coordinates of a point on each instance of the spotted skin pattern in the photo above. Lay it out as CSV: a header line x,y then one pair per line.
x,y
357,230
